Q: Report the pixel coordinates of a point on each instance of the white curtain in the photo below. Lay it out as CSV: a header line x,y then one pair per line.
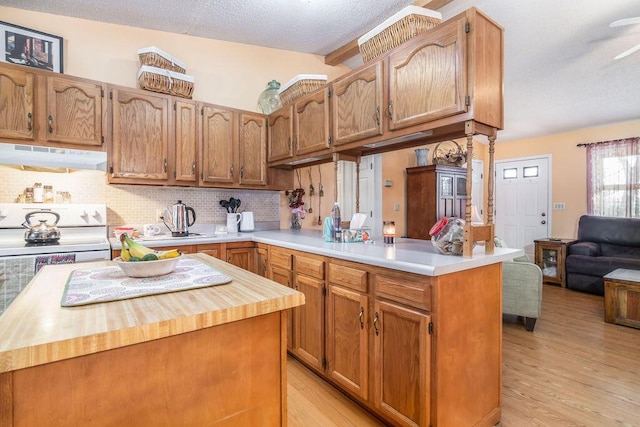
x,y
613,178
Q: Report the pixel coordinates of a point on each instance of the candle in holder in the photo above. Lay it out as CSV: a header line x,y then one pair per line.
x,y
389,231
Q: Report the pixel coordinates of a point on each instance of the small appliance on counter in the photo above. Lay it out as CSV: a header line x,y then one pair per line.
x,y
178,218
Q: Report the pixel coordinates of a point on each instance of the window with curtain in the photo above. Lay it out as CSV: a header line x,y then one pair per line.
x,y
613,178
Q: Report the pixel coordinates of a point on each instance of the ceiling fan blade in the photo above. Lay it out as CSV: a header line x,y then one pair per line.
x,y
627,21
628,52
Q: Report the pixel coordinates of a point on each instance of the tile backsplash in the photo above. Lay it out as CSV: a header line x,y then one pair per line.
x,y
138,204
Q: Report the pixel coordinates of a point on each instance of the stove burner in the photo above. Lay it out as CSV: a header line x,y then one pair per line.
x,y
33,244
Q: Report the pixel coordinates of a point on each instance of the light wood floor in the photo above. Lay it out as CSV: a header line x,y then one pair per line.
x,y
573,370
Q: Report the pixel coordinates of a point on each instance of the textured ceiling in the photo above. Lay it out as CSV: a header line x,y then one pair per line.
x,y
559,69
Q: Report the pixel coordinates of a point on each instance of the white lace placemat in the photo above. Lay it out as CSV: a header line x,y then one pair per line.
x,y
102,284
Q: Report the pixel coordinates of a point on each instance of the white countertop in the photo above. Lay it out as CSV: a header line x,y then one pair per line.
x,y
410,255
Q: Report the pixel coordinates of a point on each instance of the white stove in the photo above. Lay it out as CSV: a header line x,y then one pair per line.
x,y
83,238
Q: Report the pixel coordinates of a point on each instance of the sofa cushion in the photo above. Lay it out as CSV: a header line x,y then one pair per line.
x,y
614,231
598,266
584,248
609,250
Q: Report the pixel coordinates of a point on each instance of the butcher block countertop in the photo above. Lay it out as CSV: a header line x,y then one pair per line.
x,y
36,330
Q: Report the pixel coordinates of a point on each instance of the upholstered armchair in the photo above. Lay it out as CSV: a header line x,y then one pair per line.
x,y
522,290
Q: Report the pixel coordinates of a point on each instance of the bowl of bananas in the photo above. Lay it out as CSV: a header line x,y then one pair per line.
x,y
137,260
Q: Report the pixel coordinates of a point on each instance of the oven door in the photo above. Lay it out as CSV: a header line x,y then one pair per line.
x,y
17,271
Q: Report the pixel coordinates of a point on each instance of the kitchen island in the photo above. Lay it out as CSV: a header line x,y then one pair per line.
x,y
413,335
214,355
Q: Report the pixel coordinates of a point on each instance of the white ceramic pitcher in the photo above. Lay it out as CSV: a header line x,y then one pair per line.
x,y
247,221
233,222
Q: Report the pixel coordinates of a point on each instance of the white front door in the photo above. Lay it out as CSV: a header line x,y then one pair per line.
x,y
522,211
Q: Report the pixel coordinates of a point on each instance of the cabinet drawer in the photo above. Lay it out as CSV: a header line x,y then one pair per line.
x,y
310,267
348,276
280,258
408,289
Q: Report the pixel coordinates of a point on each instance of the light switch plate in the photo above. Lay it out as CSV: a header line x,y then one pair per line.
x,y
159,214
559,205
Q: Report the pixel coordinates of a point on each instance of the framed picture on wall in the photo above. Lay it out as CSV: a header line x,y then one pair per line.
x,y
24,46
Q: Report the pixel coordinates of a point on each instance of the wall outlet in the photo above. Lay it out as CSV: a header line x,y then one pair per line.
x,y
159,214
397,207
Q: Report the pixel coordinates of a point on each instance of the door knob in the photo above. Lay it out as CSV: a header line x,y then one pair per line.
x,y
544,214
543,222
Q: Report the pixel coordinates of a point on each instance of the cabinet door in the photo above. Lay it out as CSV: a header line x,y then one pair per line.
x,y
356,105
262,261
217,145
280,134
446,195
283,276
348,339
309,328
185,142
16,104
427,77
74,111
460,198
140,140
211,249
253,149
242,257
402,348
311,118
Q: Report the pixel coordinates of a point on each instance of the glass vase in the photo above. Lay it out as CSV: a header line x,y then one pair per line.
x,y
295,221
269,100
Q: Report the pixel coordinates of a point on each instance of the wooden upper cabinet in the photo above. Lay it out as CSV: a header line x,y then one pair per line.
x,y
17,115
74,111
427,77
253,149
357,105
281,134
186,114
218,139
139,147
311,122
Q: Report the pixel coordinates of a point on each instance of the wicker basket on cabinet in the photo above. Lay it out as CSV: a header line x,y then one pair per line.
x,y
301,85
404,25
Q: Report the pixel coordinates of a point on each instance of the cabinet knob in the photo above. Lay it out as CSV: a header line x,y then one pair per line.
x,y
50,122
378,116
391,111
361,317
29,124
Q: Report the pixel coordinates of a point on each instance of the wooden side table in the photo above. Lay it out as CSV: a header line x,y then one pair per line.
x,y
622,297
550,255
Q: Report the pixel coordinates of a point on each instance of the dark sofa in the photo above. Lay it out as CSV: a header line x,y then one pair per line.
x,y
604,244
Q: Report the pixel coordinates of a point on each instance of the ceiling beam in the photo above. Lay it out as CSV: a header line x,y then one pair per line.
x,y
351,49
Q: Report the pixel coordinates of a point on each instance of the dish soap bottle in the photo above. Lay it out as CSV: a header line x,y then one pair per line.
x,y
269,99
335,215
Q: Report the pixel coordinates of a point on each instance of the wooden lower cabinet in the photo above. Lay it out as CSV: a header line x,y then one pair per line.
x,y
285,278
309,322
242,255
347,339
262,260
402,348
415,350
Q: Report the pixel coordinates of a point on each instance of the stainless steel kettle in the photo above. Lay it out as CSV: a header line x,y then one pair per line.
x,y
178,219
43,232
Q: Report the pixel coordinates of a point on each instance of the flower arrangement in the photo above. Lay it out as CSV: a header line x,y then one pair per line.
x,y
454,156
295,197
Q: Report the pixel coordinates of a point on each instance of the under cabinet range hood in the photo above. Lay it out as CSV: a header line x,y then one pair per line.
x,y
52,157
